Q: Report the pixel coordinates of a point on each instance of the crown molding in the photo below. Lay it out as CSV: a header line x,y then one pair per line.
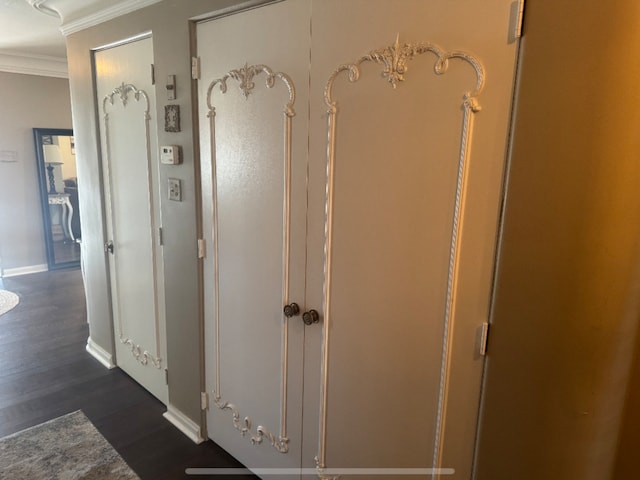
x,y
29,64
77,15
41,6
99,16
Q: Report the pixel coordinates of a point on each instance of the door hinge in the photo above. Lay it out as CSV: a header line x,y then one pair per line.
x,y
204,401
153,74
166,376
160,236
484,339
195,68
202,248
519,19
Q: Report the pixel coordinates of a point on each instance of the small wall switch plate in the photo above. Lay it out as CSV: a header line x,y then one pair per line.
x,y
171,87
175,189
8,156
170,154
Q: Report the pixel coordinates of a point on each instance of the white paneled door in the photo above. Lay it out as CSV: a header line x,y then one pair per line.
x,y
352,162
254,150
128,130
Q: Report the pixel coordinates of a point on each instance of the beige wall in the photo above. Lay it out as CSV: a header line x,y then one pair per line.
x,y
168,21
566,301
26,102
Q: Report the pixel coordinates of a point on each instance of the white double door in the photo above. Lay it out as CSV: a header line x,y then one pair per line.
x,y
127,112
347,167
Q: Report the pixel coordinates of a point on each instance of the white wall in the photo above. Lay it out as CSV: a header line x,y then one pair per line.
x,y
26,102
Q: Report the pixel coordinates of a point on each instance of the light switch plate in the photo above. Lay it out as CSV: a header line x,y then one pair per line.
x,y
175,189
8,156
171,87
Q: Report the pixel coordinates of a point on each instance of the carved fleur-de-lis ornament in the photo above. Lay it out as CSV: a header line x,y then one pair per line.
x,y
398,64
245,76
123,93
394,59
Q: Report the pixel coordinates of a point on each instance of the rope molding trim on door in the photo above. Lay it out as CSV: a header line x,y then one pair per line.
x,y
245,78
394,58
123,92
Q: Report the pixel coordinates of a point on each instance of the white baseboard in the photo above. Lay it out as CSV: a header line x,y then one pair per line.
x,y
14,272
100,354
184,424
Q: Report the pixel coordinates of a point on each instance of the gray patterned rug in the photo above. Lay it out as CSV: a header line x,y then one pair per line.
x,y
65,448
8,300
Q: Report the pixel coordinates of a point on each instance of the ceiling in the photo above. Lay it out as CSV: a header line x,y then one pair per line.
x,y
25,30
32,31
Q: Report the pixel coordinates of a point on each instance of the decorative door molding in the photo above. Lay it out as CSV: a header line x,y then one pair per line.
x,y
395,59
245,76
124,93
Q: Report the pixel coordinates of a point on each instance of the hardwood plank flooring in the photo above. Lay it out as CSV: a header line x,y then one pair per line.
x,y
45,372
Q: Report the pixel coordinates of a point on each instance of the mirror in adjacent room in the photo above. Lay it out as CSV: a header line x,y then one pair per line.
x,y
58,183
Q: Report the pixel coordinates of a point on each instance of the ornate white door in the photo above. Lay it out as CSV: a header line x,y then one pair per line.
x,y
254,68
416,97
408,115
126,102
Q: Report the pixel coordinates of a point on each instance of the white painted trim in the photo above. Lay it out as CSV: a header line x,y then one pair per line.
x,y
183,423
34,65
15,272
244,75
109,13
394,59
142,355
232,10
135,38
100,354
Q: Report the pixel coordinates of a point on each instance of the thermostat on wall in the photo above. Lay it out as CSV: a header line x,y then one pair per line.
x,y
170,154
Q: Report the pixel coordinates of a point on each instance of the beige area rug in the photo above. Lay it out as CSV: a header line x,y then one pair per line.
x,y
65,448
8,300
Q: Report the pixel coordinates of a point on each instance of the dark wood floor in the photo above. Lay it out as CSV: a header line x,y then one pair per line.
x,y
45,372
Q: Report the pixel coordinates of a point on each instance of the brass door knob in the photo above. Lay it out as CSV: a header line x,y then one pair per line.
x,y
310,317
291,310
